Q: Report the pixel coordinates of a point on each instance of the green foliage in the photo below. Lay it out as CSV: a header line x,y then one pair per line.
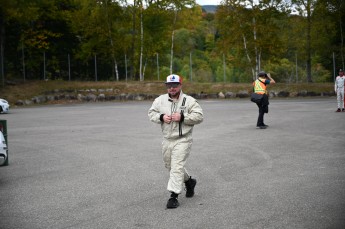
x,y
164,72
249,37
282,71
156,23
184,42
320,74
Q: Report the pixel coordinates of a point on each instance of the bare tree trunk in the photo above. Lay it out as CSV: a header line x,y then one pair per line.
x,y
157,66
126,67
309,77
116,70
296,69
259,60
172,44
248,57
144,69
257,57
142,43
224,68
96,76
342,44
131,69
44,65
111,42
172,51
191,67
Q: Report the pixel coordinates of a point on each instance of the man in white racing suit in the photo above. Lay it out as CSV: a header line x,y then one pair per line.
x,y
339,89
177,113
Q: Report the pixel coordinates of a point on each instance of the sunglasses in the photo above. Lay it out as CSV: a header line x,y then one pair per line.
x,y
172,85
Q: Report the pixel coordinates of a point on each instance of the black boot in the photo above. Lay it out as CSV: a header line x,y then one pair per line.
x,y
173,202
190,185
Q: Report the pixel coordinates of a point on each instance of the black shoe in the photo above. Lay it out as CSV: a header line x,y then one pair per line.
x,y
343,110
172,203
190,185
338,110
265,125
261,127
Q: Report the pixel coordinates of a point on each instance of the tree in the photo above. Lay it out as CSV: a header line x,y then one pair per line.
x,y
250,31
337,9
242,38
305,8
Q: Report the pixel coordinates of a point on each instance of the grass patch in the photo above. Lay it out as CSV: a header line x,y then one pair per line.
x,y
29,89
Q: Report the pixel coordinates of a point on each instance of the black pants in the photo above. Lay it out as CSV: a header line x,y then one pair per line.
x,y
263,108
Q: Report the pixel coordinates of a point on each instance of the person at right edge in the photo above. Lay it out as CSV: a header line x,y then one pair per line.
x,y
339,89
260,85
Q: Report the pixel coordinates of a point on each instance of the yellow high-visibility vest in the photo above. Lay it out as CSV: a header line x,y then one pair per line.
x,y
259,87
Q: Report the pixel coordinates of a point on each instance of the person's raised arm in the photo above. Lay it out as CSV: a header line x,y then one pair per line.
x,y
270,78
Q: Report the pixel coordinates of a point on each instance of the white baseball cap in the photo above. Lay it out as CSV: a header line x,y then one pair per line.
x,y
173,79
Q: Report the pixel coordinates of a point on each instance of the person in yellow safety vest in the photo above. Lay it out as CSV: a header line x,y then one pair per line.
x,y
260,88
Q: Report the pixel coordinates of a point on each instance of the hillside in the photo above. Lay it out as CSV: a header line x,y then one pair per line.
x,y
210,8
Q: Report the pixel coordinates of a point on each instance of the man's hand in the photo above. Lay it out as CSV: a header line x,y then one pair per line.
x,y
167,118
176,117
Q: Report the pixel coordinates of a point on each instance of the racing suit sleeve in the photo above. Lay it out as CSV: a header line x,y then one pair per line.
x,y
154,112
194,114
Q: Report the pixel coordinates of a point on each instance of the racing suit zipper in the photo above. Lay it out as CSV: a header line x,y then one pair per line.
x,y
172,110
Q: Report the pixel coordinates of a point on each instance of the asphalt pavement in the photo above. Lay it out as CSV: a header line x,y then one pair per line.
x,y
99,165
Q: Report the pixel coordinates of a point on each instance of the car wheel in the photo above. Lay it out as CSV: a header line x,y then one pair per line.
x,y
6,161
